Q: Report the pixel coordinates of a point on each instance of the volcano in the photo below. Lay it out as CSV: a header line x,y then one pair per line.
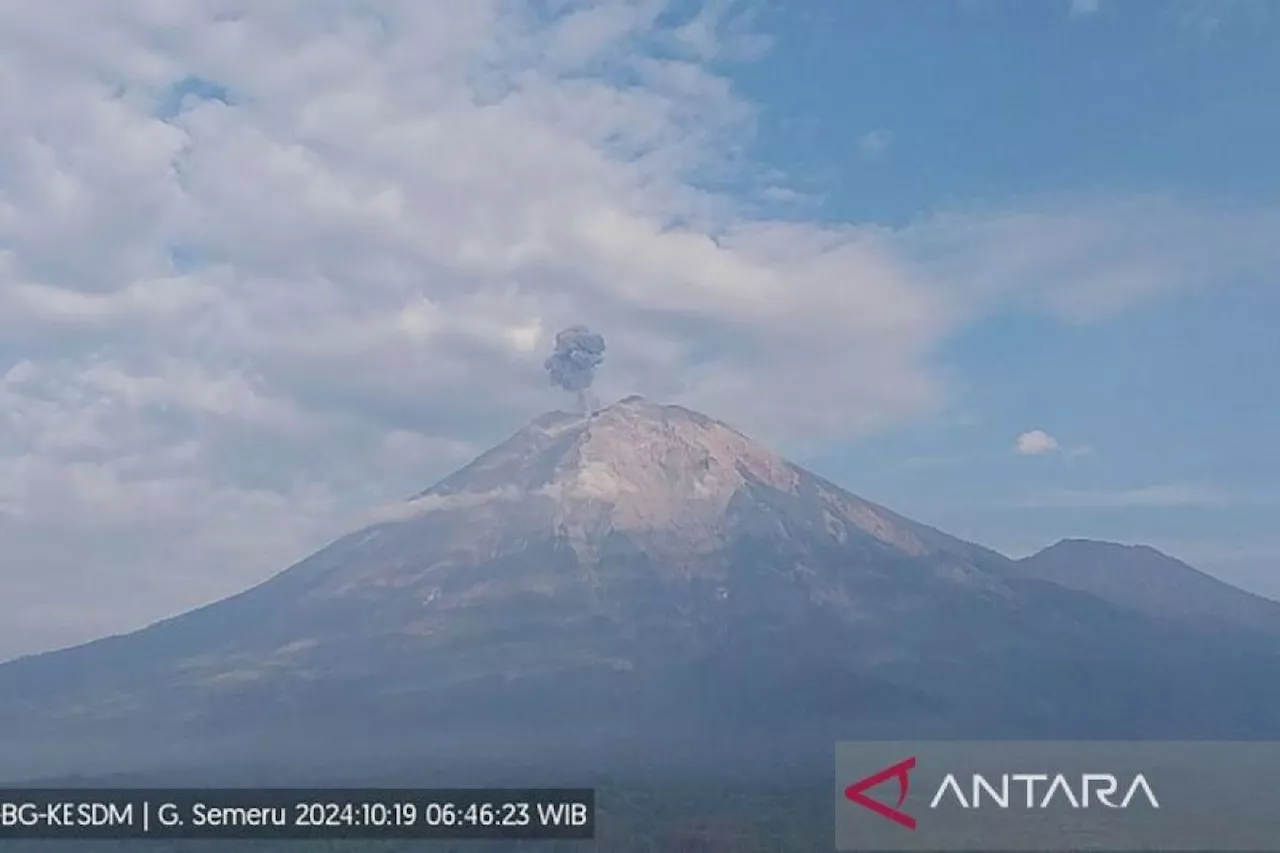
x,y
641,584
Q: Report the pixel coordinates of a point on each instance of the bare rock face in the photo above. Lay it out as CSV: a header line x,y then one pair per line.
x,y
658,472
646,502
634,579
635,467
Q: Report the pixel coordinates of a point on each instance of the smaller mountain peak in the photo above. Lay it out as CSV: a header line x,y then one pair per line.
x,y
1143,578
1096,546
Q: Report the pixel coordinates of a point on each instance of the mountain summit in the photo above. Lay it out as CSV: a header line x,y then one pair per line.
x,y
639,581
1143,579
665,477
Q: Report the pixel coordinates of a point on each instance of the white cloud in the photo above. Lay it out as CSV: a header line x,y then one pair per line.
x,y
1036,442
876,141
1084,8
722,29
1088,260
228,327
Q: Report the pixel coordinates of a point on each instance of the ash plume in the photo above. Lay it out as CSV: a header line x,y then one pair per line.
x,y
572,366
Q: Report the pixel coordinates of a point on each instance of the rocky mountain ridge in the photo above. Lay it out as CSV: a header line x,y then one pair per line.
x,y
641,580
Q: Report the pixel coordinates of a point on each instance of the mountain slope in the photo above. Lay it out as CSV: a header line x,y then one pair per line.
x,y
643,581
1155,584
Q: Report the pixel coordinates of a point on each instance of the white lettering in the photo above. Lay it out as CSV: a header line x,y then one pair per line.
x,y
1030,779
981,784
1140,781
1060,784
204,815
949,782
1104,796
1101,785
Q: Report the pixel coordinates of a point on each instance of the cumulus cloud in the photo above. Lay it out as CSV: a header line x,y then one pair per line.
x,y
256,258
1035,443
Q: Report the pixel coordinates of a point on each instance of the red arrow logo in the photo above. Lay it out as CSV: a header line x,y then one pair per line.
x,y
856,792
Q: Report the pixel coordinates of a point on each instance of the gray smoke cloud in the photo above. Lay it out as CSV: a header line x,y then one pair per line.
x,y
572,366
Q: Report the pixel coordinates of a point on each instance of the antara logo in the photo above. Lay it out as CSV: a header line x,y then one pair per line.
x,y
1040,791
900,771
1057,788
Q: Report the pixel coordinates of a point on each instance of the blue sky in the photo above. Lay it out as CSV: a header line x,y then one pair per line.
x,y
994,103
267,267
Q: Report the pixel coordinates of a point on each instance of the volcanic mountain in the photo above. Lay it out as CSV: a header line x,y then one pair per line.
x,y
1141,578
642,581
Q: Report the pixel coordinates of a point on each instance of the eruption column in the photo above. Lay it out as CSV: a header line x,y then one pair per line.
x,y
572,366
